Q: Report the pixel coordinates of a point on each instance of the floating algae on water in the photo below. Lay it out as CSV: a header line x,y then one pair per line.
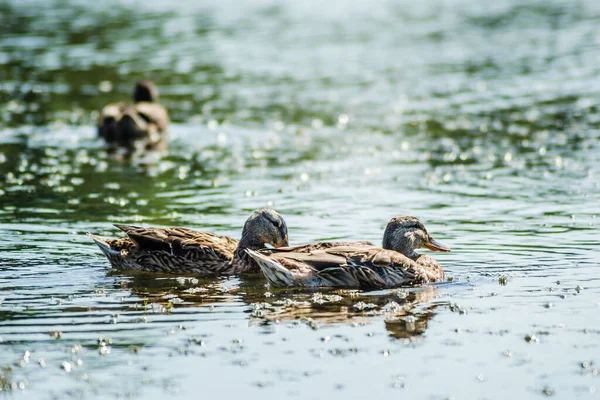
x,y
481,117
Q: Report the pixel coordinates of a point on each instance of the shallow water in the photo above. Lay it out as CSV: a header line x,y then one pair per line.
x,y
483,120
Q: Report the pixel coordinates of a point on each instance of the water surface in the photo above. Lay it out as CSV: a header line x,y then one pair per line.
x,y
481,119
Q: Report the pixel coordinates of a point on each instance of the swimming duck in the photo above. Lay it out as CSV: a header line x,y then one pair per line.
x,y
185,250
358,266
138,124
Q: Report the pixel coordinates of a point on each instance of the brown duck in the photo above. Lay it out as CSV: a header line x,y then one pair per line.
x,y
183,250
141,124
357,266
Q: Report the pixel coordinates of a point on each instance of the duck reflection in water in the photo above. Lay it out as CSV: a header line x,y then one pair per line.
x,y
405,312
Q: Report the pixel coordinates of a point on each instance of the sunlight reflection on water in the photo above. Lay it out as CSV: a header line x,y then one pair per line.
x,y
481,119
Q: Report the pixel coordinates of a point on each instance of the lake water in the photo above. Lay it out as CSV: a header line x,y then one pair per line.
x,y
480,118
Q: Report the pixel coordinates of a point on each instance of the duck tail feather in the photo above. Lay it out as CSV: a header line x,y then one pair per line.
x,y
276,274
103,244
126,228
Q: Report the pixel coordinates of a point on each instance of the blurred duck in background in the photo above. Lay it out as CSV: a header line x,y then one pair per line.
x,y
140,125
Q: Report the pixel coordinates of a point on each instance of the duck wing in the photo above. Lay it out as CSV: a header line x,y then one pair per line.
x,y
153,113
367,267
113,110
181,242
307,248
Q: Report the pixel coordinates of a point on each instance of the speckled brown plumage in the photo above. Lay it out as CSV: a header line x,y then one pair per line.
x,y
357,265
182,250
138,125
307,248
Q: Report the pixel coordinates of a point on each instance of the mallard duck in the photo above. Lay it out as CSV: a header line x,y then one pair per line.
x,y
357,266
138,124
183,250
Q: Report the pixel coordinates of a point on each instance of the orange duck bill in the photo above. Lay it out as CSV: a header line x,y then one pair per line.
x,y
434,245
282,243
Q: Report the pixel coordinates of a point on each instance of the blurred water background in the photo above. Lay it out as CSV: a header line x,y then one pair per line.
x,y
481,118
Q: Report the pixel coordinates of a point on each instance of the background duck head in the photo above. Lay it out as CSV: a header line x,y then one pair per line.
x,y
145,91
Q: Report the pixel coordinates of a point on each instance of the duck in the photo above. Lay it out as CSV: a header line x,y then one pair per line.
x,y
141,124
362,266
183,250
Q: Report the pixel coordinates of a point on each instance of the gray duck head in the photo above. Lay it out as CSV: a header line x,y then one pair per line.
x,y
264,226
406,234
145,91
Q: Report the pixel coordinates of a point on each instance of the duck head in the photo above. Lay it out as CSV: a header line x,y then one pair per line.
x,y
406,234
264,226
145,91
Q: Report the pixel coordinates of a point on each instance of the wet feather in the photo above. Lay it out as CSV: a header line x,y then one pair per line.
x,y
183,250
356,264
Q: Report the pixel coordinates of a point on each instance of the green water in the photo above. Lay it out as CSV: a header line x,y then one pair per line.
x,y
481,119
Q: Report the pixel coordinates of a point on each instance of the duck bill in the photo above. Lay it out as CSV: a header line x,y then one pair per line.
x,y
436,246
282,243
